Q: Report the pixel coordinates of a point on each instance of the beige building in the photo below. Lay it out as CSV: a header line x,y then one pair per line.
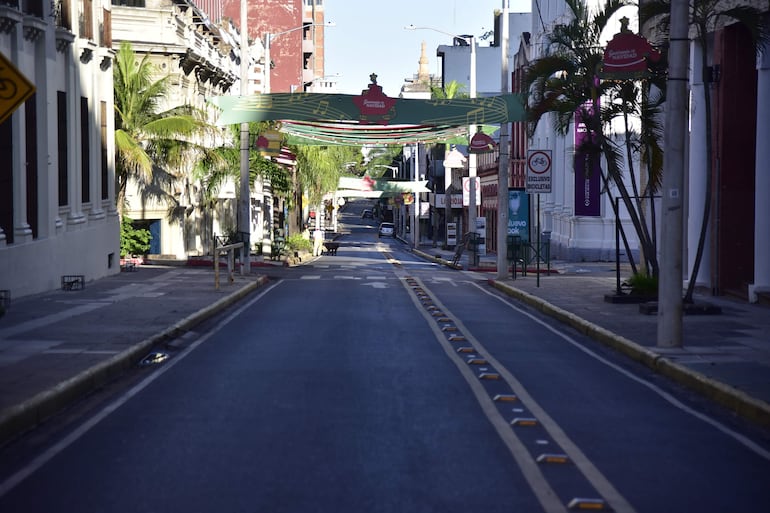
x,y
201,57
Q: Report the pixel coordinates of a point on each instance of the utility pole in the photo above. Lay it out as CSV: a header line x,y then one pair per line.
x,y
670,288
472,165
244,199
505,157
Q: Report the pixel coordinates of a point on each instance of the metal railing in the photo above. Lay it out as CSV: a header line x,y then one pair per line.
x,y
230,250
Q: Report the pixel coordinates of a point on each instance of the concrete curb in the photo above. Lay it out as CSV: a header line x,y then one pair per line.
x,y
437,260
741,403
23,417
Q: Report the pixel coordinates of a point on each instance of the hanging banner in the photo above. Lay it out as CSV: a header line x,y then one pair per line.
x,y
588,170
369,184
627,56
268,143
371,107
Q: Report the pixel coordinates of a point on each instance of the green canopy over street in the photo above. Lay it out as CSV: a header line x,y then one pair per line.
x,y
360,119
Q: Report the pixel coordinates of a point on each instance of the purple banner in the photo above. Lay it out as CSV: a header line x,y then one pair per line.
x,y
587,175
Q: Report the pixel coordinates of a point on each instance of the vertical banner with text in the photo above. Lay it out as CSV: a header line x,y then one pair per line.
x,y
587,173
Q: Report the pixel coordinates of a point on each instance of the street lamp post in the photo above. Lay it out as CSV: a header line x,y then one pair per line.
x,y
312,86
244,199
269,39
393,169
502,171
416,203
472,208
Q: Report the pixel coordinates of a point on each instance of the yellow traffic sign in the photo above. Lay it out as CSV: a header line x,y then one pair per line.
x,y
15,89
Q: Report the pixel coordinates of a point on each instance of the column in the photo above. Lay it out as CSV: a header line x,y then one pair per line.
x,y
696,179
762,182
74,70
21,229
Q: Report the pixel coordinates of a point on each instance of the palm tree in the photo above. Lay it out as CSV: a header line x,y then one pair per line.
x,y
319,169
453,89
705,16
317,173
150,144
564,83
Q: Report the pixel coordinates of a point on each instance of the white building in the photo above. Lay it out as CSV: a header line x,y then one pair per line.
x,y
736,259
57,175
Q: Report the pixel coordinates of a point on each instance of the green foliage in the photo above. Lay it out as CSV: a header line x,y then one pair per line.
x,y
296,242
319,169
451,90
148,140
133,241
563,82
643,285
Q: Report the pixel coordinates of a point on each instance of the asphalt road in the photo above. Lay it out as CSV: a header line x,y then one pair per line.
x,y
374,381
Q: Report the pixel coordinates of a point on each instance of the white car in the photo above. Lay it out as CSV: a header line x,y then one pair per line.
x,y
385,230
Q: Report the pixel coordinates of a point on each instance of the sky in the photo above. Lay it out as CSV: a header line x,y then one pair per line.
x,y
369,37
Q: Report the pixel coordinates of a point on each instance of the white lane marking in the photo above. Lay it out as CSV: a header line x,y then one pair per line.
x,y
754,447
547,497
311,277
51,452
376,285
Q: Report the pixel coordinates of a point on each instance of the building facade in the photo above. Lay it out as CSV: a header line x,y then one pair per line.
x,y
736,258
57,173
296,32
201,58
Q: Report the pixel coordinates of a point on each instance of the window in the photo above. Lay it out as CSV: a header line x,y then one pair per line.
x,y
86,8
129,3
34,7
30,118
62,14
105,29
62,147
105,163
85,151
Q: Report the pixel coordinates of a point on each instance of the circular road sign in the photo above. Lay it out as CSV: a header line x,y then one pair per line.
x,y
539,162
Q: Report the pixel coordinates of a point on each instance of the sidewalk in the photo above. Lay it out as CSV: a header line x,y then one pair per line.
x,y
58,346
725,357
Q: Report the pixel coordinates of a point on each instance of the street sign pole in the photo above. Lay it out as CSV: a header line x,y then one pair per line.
x,y
538,182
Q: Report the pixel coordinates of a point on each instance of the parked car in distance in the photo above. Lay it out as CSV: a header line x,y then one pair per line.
x,y
385,230
367,214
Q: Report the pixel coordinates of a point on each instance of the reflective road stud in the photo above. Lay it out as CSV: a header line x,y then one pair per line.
x,y
594,504
553,458
519,421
